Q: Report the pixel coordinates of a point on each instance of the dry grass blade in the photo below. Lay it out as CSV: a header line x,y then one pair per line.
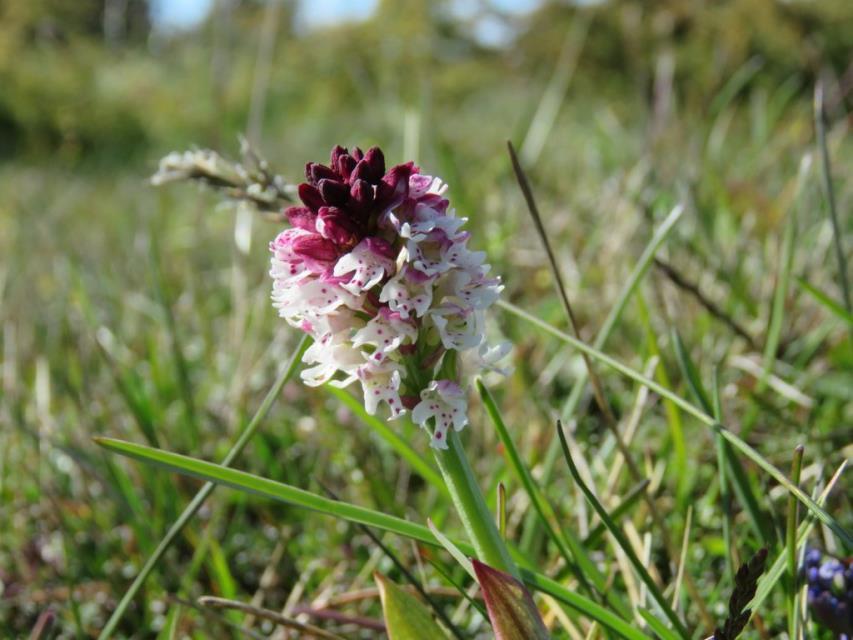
x,y
308,630
692,288
524,184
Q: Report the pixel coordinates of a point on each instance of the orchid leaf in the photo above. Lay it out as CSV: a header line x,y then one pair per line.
x,y
513,613
406,618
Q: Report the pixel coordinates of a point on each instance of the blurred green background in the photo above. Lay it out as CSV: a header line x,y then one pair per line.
x,y
144,313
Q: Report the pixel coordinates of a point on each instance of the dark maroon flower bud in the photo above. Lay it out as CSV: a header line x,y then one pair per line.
x,y
345,164
334,223
337,152
310,196
315,248
376,161
361,172
394,186
361,193
334,193
302,217
357,154
321,172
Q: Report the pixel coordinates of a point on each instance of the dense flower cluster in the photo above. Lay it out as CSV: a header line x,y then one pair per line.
x,y
376,268
830,592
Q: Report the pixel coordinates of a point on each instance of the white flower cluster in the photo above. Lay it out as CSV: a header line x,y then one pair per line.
x,y
377,270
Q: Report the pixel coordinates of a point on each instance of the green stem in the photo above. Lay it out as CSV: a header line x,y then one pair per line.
x,y
791,540
471,506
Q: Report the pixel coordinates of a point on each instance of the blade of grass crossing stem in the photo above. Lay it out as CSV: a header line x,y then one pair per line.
x,y
740,480
204,492
613,317
791,545
416,460
287,494
451,548
783,278
772,576
823,299
691,409
621,539
568,544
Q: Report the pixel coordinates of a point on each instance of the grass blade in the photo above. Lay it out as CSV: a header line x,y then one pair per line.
x,y
663,632
568,544
831,305
204,492
583,605
287,494
688,407
620,537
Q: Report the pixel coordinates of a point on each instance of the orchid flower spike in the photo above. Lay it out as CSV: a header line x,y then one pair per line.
x,y
376,269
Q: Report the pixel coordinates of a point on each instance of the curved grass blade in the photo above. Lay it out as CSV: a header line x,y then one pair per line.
x,y
204,492
618,511
416,460
688,407
568,544
287,494
620,537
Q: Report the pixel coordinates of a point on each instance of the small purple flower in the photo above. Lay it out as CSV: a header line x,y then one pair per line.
x,y
830,592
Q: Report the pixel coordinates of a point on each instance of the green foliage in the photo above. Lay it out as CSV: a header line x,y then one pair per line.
x,y
96,341
406,618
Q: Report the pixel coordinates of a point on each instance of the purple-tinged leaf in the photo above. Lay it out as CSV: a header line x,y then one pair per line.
x,y
511,609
